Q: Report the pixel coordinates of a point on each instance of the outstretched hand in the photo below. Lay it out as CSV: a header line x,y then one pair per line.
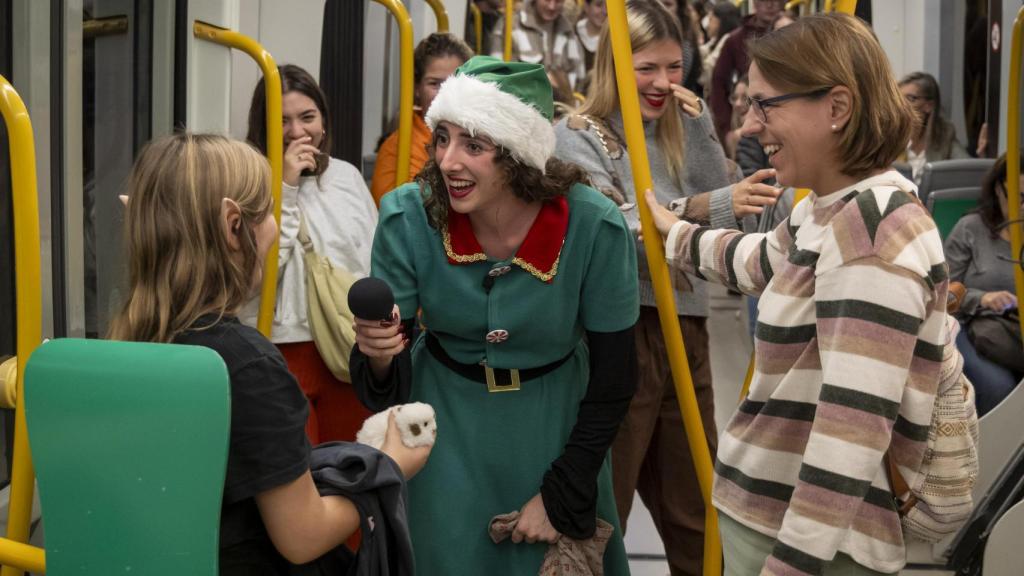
x,y
751,195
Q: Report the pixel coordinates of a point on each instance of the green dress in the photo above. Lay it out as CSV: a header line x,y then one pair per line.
x,y
575,271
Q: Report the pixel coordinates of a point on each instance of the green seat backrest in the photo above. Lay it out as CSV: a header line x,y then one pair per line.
x,y
130,446
948,206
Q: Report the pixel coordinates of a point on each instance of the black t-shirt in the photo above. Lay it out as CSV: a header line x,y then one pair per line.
x,y
268,446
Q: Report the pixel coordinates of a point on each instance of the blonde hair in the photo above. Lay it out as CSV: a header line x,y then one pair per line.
x,y
649,23
827,50
179,262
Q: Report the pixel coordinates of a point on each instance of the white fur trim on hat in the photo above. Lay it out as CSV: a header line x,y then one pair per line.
x,y
483,108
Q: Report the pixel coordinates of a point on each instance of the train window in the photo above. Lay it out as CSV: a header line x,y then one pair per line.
x,y
116,122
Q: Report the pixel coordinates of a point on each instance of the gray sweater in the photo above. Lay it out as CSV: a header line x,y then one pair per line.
x,y
973,257
607,161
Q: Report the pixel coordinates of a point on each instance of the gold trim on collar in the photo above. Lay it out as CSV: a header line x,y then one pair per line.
x,y
462,259
542,276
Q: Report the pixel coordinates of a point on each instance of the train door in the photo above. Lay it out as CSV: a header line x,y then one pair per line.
x,y
7,317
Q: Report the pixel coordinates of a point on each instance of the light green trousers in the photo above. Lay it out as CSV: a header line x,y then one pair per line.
x,y
745,551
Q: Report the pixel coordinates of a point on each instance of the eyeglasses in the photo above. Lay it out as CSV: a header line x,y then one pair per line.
x,y
761,105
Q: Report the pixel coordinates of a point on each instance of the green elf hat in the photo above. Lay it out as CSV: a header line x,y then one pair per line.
x,y
508,102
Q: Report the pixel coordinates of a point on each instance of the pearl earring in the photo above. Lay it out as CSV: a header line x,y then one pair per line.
x,y
834,127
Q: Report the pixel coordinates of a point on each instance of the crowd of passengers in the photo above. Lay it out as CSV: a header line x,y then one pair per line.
x,y
515,259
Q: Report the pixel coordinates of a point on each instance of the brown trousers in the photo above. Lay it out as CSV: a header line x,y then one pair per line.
x,y
651,455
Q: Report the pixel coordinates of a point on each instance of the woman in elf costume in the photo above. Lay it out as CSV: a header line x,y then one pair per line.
x,y
526,278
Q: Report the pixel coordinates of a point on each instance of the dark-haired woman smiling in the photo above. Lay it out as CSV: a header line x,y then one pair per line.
x,y
851,327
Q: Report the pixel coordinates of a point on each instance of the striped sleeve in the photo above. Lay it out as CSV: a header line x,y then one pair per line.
x,y
872,310
744,262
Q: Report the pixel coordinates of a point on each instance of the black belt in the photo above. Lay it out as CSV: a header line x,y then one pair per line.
x,y
497,379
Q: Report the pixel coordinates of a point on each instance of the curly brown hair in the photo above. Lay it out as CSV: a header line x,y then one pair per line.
x,y
526,182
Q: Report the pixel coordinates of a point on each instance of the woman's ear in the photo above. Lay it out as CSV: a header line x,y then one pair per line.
x,y
840,107
231,223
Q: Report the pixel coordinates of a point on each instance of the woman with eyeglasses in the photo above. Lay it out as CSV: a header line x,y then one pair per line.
x,y
978,251
852,313
650,454
933,137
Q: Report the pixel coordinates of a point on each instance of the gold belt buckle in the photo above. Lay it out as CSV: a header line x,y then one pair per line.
x,y
492,384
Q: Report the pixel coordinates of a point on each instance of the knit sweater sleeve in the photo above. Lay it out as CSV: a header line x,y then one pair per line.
x,y
744,262
959,253
878,274
288,243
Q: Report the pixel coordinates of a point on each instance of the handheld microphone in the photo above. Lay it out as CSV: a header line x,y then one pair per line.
x,y
371,299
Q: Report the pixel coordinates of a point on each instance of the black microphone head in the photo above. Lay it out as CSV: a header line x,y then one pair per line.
x,y
371,299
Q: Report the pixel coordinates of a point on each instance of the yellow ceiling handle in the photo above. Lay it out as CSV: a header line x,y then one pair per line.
x,y
14,553
1013,156
275,149
401,16
663,293
440,14
510,13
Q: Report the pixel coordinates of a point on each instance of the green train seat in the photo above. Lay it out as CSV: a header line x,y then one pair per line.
x,y
130,446
959,173
948,206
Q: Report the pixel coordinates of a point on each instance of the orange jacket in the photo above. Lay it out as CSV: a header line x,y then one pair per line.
x,y
387,158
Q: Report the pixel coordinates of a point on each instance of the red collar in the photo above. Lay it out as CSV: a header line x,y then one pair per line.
x,y
538,253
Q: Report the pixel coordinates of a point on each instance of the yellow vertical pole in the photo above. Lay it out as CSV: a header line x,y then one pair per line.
x,y
478,27
663,294
510,13
847,6
28,301
401,16
275,149
1013,156
440,13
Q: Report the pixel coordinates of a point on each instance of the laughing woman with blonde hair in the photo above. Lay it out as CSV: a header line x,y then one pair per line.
x,y
651,454
852,325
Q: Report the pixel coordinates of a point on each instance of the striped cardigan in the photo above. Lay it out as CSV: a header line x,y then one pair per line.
x,y
849,342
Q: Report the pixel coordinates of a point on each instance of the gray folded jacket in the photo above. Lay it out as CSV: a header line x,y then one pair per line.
x,y
375,485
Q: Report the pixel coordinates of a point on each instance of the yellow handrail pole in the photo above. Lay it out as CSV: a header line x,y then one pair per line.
x,y
828,5
795,4
1013,155
510,13
749,377
17,557
663,294
846,6
275,149
478,27
401,15
440,13
28,302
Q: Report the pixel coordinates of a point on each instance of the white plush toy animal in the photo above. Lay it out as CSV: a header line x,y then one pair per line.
x,y
416,423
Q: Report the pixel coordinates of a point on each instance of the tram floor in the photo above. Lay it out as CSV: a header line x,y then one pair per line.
x,y
730,353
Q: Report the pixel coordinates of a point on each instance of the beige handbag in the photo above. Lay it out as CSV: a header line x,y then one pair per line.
x,y
330,320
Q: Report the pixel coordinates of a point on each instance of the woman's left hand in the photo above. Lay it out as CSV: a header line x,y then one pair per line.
x,y
533,524
687,100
